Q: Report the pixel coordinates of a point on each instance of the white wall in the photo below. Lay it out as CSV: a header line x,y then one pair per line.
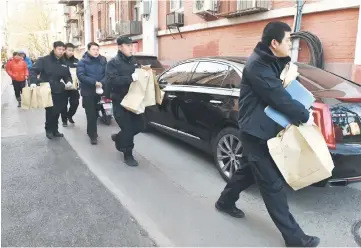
x,y
150,30
358,41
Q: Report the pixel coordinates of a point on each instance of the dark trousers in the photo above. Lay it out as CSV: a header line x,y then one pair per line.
x,y
259,167
52,113
18,88
130,124
91,106
73,99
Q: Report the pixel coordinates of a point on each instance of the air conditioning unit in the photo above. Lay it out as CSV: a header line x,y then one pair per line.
x,y
77,33
253,6
111,33
129,28
76,42
205,6
175,19
66,10
100,34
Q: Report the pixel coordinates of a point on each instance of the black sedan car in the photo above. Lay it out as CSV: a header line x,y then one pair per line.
x,y
200,107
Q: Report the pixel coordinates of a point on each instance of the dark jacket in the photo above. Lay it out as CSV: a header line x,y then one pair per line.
x,y
51,69
119,75
89,71
261,86
71,62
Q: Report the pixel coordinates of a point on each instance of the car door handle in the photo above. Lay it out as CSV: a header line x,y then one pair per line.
x,y
215,101
172,96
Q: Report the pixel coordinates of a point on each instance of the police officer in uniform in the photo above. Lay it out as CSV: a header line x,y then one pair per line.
x,y
53,69
119,76
72,95
261,87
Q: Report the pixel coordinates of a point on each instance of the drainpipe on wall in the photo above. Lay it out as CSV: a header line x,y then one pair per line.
x,y
87,22
356,70
297,28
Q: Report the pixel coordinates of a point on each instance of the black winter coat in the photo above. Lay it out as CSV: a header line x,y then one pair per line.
x,y
119,75
261,86
71,62
51,69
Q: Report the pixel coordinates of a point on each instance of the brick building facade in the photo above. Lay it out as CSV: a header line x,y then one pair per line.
x,y
226,30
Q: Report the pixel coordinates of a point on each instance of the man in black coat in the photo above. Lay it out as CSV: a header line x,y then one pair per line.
x,y
72,95
120,74
53,69
261,86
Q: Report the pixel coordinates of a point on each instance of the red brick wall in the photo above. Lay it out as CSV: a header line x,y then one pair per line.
x,y
190,18
338,38
337,31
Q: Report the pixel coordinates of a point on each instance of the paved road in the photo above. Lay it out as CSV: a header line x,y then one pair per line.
x,y
171,194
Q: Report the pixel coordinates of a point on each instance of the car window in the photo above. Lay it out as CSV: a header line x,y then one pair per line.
x,y
152,61
232,80
325,84
178,75
209,74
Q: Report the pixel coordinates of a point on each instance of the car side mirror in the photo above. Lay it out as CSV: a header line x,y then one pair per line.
x,y
162,83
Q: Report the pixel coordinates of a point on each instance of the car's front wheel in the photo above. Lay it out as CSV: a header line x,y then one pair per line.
x,y
227,151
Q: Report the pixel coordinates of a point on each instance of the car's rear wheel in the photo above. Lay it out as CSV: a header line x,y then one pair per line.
x,y
227,151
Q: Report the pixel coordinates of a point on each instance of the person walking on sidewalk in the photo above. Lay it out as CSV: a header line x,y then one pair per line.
x,y
53,69
91,75
120,74
18,72
262,87
26,59
72,95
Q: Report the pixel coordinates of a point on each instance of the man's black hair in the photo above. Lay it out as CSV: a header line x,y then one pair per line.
x,y
69,45
92,44
275,31
15,53
58,44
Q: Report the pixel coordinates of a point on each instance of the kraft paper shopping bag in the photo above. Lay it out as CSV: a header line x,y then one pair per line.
x,y
159,94
44,98
26,98
302,156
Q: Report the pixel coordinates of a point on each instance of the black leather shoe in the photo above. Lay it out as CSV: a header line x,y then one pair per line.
x,y
306,241
49,135
129,159
93,140
58,135
233,211
70,119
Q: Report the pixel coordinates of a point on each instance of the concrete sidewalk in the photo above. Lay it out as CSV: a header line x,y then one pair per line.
x,y
49,196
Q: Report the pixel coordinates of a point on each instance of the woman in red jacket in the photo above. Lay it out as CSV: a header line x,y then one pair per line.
x,y
18,71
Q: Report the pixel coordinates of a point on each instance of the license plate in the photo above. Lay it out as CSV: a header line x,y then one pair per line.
x,y
107,105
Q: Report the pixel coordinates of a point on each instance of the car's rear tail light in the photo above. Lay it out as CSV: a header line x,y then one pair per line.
x,y
323,119
349,99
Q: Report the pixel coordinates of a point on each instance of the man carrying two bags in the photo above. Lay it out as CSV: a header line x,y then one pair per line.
x,y
120,74
54,70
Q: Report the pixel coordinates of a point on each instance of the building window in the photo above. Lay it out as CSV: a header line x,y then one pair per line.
x,y
176,5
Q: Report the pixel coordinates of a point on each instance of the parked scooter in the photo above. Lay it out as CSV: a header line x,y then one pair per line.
x,y
106,110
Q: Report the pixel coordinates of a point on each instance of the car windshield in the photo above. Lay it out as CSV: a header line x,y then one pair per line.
x,y
325,84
